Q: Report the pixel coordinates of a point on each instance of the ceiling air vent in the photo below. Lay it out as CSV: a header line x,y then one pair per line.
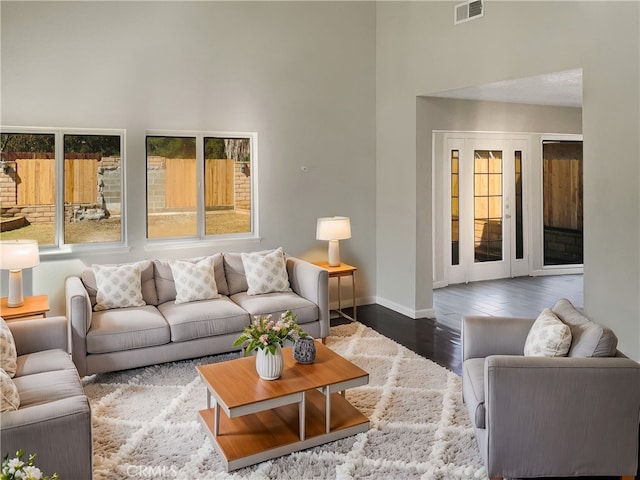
x,y
468,11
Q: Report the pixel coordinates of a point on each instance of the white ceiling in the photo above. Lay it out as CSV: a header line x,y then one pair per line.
x,y
560,89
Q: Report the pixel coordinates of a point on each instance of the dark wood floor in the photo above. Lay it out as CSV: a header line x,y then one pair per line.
x,y
439,339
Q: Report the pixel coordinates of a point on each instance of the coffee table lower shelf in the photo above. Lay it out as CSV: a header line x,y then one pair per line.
x,y
261,436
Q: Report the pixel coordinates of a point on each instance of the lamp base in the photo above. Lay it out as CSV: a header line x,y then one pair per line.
x,y
334,253
15,298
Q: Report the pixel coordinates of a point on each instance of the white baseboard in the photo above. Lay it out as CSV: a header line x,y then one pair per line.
x,y
407,312
349,303
577,270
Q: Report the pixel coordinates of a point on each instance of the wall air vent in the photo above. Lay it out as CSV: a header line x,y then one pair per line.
x,y
469,10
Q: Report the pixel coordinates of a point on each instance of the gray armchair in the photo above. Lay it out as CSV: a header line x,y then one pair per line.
x,y
54,417
544,417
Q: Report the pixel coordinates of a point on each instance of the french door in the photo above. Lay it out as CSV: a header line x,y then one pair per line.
x,y
486,212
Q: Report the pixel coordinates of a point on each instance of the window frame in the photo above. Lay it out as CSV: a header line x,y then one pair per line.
x,y
59,246
201,237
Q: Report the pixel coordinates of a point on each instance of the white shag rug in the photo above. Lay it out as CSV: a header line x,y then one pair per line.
x,y
145,422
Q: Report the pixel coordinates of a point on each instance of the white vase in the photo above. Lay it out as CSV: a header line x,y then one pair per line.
x,y
269,365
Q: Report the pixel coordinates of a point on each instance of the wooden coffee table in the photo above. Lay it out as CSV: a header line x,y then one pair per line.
x,y
264,419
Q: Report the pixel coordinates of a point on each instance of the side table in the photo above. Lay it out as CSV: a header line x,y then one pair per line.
x,y
34,307
342,270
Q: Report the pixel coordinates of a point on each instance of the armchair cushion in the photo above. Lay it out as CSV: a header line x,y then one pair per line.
x,y
44,361
548,337
46,387
588,338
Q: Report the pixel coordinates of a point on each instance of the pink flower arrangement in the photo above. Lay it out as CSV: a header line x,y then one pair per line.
x,y
265,333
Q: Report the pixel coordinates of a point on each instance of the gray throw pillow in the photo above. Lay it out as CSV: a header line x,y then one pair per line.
x,y
589,338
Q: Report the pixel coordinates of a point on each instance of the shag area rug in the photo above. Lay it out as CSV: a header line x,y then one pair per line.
x,y
145,422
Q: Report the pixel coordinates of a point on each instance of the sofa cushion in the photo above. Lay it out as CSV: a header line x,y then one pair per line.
x,y
205,318
148,286
277,303
548,337
46,387
194,281
127,329
588,338
266,273
473,390
9,397
119,286
165,285
8,353
44,361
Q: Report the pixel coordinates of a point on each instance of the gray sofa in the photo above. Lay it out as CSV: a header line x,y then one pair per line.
x,y
538,416
54,410
163,331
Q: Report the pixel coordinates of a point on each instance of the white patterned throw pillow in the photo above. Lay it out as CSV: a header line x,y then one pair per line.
x,y
548,337
194,281
8,354
266,272
119,286
9,398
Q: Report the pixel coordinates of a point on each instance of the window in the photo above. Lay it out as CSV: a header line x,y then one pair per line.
x,y
562,202
62,187
455,207
200,185
518,210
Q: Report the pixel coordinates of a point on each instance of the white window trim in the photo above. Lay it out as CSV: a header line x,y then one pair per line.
x,y
59,247
200,239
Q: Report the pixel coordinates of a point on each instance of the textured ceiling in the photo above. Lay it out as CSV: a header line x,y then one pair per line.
x,y
560,89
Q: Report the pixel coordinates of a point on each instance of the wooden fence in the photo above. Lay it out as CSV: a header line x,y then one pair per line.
x,y
563,194
35,181
181,183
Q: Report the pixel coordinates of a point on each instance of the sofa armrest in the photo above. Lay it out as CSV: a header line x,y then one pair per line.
x,y
78,307
37,335
311,282
550,405
483,336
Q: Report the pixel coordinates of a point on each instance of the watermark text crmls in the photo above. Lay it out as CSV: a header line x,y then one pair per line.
x,y
137,471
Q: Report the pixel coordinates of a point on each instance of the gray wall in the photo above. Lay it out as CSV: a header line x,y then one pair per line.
x,y
419,51
301,75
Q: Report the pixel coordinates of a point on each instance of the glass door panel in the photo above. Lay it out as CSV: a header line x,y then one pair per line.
x,y
562,202
488,203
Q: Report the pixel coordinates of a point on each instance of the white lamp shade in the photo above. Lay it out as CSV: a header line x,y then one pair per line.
x,y
333,228
18,254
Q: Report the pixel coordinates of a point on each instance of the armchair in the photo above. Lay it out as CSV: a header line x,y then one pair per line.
x,y
54,416
547,416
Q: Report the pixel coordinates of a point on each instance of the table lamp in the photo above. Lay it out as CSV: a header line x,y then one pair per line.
x,y
333,229
14,256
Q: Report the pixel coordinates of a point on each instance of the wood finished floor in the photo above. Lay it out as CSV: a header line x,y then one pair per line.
x,y
439,339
